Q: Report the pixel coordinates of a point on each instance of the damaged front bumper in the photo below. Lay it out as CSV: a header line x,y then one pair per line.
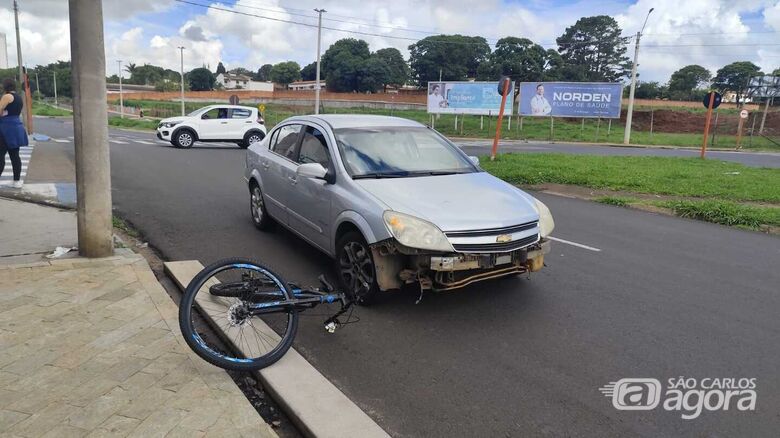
x,y
397,265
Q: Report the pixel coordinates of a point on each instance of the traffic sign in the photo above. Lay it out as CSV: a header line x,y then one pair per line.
x,y
234,100
715,102
501,82
261,108
743,114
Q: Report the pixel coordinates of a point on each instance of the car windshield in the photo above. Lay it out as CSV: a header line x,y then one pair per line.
x,y
392,152
197,111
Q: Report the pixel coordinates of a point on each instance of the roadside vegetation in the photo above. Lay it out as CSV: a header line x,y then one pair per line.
x,y
42,109
128,122
714,191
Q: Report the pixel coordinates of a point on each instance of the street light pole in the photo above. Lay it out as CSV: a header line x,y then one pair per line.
x,y
319,41
181,72
630,112
121,97
56,103
19,51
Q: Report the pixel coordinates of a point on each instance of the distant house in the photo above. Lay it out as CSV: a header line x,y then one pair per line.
x,y
241,82
305,85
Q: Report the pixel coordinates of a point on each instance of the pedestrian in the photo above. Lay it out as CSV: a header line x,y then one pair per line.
x,y
12,133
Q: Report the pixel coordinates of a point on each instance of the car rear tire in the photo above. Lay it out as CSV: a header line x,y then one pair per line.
x,y
251,137
260,216
184,139
355,267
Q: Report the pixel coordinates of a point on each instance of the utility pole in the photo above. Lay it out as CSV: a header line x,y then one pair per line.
x,y
19,52
181,72
121,97
56,103
319,41
37,84
630,112
90,129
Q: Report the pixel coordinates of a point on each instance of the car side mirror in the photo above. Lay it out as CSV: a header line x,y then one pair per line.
x,y
474,160
312,170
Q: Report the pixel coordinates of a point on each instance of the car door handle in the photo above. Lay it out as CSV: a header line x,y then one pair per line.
x,y
223,123
265,165
292,180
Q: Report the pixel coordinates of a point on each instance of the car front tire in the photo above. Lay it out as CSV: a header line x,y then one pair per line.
x,y
251,137
183,139
356,270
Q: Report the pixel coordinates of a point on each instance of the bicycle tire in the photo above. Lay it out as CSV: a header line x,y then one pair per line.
x,y
230,362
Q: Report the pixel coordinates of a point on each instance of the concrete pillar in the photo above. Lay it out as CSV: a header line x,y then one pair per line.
x,y
90,128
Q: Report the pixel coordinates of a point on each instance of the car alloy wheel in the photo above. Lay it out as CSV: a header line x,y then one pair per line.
x,y
185,139
357,268
254,138
257,205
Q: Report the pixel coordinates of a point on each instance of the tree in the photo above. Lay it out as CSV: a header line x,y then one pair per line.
x,y
201,79
309,73
649,90
264,73
776,72
341,62
685,80
220,68
146,74
242,71
397,68
519,58
454,57
286,72
372,74
593,50
46,77
735,76
130,68
113,79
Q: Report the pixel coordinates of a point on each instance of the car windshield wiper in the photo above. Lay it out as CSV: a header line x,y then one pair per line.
x,y
434,173
378,175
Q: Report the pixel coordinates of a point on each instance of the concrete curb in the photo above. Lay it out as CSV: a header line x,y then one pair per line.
x,y
317,407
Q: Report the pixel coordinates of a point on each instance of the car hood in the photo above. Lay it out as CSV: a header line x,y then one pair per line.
x,y
469,201
173,120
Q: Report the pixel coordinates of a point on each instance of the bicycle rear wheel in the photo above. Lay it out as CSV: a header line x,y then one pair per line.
x,y
220,295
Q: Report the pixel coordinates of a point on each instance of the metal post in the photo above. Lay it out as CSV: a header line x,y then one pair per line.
x,y
630,111
521,123
456,122
56,102
609,127
481,122
715,128
753,128
652,117
90,130
19,49
763,118
181,72
37,84
552,132
598,129
582,127
121,97
319,41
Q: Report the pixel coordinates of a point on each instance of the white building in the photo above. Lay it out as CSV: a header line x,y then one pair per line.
x,y
3,51
240,82
305,85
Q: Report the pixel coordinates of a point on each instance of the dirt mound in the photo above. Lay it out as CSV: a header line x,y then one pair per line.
x,y
689,122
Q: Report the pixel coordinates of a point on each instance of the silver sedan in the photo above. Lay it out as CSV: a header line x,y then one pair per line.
x,y
394,203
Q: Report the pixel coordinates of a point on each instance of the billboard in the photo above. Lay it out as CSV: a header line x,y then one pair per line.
x,y
466,98
570,99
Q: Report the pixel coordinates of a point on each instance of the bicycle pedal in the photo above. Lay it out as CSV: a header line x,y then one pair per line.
x,y
331,326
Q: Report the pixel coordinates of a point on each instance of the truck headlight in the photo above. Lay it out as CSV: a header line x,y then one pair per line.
x,y
546,222
416,233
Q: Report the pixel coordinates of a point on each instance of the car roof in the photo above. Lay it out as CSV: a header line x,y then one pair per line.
x,y
219,105
337,121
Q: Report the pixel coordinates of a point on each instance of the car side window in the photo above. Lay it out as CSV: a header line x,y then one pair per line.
x,y
285,140
239,113
314,148
215,113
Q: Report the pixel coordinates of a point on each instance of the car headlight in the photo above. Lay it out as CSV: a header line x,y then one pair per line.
x,y
416,233
170,124
546,222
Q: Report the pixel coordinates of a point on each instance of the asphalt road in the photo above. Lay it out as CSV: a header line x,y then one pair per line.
x,y
664,297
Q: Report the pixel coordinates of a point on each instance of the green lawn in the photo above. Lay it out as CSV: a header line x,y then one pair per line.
x,y
132,123
728,191
42,109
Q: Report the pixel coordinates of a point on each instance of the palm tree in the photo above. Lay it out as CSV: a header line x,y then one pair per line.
x,y
130,68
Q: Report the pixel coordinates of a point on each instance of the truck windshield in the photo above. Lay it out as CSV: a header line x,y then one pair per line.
x,y
397,152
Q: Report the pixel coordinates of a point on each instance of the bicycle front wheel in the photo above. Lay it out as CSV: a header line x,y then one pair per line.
x,y
223,295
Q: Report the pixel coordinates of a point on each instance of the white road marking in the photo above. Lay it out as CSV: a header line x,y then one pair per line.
x,y
117,141
60,140
578,245
143,142
25,152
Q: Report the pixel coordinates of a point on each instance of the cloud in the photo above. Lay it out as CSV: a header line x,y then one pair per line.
x,y
192,32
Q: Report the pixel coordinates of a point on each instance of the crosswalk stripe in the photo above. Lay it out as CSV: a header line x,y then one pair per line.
x,y
118,141
25,152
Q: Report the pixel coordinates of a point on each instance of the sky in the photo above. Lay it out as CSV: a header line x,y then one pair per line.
x,y
711,33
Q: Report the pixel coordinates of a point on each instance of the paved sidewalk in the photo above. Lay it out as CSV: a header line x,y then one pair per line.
x,y
93,348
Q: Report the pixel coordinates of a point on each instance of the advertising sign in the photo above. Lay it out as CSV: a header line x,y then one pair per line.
x,y
570,99
466,98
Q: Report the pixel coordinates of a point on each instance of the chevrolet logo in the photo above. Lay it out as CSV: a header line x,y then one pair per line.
x,y
503,238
